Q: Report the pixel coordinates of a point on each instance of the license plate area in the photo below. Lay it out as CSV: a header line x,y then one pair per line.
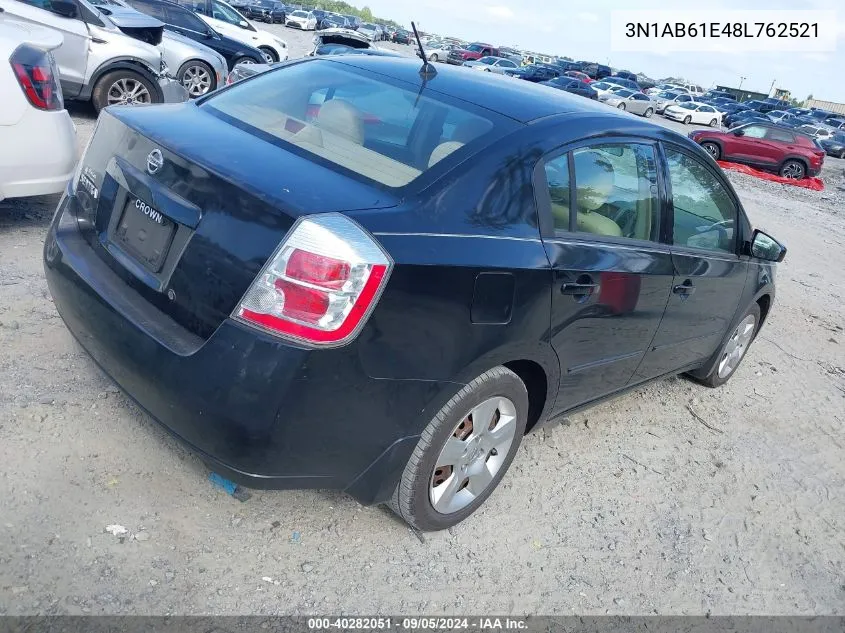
x,y
144,233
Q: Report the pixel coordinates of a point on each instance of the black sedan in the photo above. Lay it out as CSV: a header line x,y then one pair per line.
x,y
344,274
180,20
835,145
575,86
744,116
270,11
401,36
534,72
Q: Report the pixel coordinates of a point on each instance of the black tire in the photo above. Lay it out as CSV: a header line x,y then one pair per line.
x,y
621,106
269,52
100,94
687,120
713,379
243,59
714,123
793,169
187,67
432,57
713,149
842,154
411,500
647,114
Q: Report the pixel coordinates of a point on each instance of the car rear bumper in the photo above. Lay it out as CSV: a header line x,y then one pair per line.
x,y
262,412
172,91
43,156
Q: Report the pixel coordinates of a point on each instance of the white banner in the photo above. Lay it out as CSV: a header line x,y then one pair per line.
x,y
710,30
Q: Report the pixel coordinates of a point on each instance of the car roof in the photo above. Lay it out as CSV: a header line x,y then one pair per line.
x,y
519,100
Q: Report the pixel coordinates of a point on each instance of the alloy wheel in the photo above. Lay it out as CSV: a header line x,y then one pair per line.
x,y
197,80
472,455
128,91
793,170
268,56
712,149
737,346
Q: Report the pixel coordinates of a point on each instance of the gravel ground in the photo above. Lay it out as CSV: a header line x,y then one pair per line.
x,y
674,499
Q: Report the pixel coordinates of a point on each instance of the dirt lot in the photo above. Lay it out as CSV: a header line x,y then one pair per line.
x,y
674,499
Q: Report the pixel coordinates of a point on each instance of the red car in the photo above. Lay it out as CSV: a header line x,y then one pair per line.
x,y
575,74
770,147
474,51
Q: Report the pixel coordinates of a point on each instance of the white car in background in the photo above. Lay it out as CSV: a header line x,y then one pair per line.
x,y
368,30
605,88
226,20
304,20
661,88
492,64
694,112
437,51
35,128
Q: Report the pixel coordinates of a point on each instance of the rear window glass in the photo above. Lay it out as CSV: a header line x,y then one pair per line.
x,y
377,130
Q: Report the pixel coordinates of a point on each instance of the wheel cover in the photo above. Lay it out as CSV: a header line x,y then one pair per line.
x,y
712,149
197,80
737,346
128,91
246,60
473,455
793,170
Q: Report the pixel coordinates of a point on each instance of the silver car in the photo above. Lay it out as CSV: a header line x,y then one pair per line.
x,y
492,64
631,101
198,68
666,98
100,61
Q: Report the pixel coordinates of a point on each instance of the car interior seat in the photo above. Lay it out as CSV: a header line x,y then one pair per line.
x,y
595,183
341,118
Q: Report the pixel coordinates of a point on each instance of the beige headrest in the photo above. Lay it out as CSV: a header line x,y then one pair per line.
x,y
341,118
443,150
594,178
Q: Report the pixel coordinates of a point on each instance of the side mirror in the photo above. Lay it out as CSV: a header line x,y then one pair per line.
x,y
738,132
64,8
764,246
243,24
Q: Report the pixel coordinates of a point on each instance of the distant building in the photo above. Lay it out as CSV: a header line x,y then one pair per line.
x,y
783,94
830,106
743,95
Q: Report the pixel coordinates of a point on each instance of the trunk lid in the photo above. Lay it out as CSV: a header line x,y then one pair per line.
x,y
187,208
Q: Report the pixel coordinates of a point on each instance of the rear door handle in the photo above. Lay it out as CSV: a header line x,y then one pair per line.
x,y
578,290
685,289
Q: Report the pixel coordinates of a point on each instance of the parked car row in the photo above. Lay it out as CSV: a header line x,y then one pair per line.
x,y
152,51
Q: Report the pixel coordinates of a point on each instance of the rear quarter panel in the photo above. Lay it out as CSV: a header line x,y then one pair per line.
x,y
479,218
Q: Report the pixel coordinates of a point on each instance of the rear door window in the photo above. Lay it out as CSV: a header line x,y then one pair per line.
x,y
783,136
185,20
352,120
615,191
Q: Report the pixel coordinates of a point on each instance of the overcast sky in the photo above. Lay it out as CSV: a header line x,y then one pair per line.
x,y
581,30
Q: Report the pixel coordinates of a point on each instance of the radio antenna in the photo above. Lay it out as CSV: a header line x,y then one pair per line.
x,y
428,71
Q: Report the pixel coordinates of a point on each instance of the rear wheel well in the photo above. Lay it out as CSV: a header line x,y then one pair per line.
x,y
797,159
536,383
765,302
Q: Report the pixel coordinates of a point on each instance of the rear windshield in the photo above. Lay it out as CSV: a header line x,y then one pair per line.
x,y
351,119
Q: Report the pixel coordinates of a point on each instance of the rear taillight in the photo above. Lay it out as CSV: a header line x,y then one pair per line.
x,y
36,73
320,285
